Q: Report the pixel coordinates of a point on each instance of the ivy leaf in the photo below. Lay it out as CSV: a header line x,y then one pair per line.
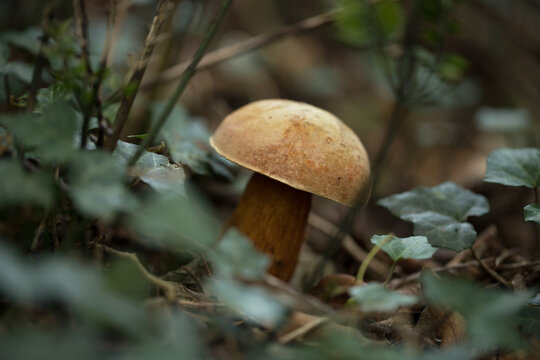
x,y
48,96
439,213
50,136
514,167
414,247
187,141
532,213
490,314
529,319
502,119
175,222
27,39
255,303
20,70
236,256
97,187
22,187
376,297
153,169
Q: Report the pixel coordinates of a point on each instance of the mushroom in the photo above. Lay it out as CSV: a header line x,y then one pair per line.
x,y
295,150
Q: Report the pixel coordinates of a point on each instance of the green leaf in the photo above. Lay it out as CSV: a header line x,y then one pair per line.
x,y
490,314
529,319
414,247
24,187
256,304
50,136
376,297
514,167
153,169
502,119
58,279
48,96
175,222
439,213
97,187
20,70
532,213
237,257
452,67
187,141
27,39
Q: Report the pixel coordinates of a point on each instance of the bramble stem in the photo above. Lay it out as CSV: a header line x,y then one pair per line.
x,y
188,74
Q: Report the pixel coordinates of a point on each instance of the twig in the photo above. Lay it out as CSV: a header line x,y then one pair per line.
x,y
495,275
40,59
186,77
302,330
135,79
228,52
39,231
167,287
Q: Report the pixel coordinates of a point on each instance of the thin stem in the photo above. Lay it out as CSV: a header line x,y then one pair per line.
x,y
188,74
135,79
363,267
390,274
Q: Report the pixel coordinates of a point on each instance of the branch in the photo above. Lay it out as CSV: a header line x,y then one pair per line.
x,y
134,82
186,77
226,53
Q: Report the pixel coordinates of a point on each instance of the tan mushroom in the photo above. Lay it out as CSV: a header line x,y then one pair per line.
x,y
295,149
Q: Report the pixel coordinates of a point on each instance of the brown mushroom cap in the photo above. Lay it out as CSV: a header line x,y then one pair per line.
x,y
298,144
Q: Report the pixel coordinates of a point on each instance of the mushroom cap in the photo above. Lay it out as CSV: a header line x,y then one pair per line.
x,y
300,145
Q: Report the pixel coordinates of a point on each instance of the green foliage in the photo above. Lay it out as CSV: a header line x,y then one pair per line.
x,y
152,169
439,213
187,141
49,136
97,185
502,120
23,187
413,247
532,213
376,297
490,314
514,167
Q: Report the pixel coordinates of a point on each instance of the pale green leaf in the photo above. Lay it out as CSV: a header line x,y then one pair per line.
x,y
414,247
490,314
236,256
502,119
532,213
439,213
97,186
153,169
50,136
256,304
176,222
376,297
20,70
20,187
514,167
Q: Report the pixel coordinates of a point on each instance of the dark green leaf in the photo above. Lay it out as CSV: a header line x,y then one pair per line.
x,y
236,256
19,187
27,39
439,213
20,70
176,222
532,213
153,169
490,314
48,96
376,297
529,319
514,167
97,186
414,247
50,136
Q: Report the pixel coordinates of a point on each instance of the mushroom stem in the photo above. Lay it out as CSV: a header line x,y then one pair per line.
x,y
274,216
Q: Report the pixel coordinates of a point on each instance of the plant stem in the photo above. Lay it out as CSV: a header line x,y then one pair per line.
x,y
363,267
188,74
135,79
390,273
495,275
